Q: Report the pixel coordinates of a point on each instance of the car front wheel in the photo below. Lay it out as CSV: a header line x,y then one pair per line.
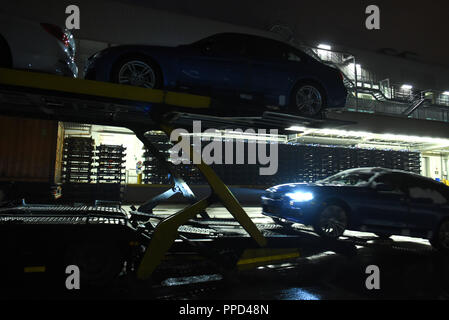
x,y
307,100
137,71
332,222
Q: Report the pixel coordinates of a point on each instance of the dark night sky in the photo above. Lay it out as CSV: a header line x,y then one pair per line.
x,y
420,27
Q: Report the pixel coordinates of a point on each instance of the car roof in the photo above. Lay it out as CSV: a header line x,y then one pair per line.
x,y
248,35
379,170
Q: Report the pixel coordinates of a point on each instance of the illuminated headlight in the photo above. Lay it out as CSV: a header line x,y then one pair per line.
x,y
300,196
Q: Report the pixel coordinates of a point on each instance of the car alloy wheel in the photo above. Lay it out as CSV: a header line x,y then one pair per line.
x,y
309,100
137,73
443,235
332,222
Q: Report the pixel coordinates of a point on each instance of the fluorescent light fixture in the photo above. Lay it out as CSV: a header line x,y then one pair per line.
x,y
324,46
446,93
330,133
406,87
356,68
296,128
300,196
237,135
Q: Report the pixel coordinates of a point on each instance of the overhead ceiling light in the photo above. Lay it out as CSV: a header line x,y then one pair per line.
x,y
369,135
356,68
296,128
324,46
224,134
406,87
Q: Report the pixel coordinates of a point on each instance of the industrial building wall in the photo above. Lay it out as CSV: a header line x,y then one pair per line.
x,y
435,166
113,22
28,149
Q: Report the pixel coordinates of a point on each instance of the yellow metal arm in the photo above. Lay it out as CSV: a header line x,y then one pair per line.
x,y
165,232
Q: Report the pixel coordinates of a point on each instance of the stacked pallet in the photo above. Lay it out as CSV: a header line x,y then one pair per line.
x,y
155,173
111,168
296,163
78,160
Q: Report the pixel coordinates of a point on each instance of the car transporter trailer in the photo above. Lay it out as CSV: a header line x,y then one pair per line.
x,y
60,235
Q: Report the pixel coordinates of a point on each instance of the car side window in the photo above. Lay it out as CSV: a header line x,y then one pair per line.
x,y
444,190
427,191
266,49
222,45
395,181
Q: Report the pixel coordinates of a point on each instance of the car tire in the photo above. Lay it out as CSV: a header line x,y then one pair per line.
x,y
331,222
137,71
440,239
307,100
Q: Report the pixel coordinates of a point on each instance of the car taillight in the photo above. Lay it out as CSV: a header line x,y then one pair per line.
x,y
57,32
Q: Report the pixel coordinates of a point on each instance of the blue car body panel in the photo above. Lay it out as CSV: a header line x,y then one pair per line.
x,y
266,81
368,209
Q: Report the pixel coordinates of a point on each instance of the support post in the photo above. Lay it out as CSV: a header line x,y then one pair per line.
x,y
165,232
179,185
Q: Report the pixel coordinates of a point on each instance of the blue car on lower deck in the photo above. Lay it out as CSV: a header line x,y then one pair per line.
x,y
383,201
237,67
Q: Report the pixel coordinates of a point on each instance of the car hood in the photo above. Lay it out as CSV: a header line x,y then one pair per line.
x,y
291,187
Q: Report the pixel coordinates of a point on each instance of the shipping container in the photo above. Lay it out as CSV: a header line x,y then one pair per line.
x,y
28,149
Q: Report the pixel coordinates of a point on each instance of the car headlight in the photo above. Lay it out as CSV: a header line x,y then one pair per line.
x,y
300,196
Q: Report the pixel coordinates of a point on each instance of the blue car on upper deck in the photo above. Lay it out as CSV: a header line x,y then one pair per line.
x,y
231,66
383,201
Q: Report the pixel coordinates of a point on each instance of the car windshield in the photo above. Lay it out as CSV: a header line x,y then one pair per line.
x,y
349,179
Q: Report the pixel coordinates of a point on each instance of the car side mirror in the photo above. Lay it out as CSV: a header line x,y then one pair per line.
x,y
384,187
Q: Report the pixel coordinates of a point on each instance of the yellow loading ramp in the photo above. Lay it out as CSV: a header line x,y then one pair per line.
x,y
32,94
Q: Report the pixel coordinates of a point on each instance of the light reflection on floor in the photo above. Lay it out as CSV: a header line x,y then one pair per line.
x,y
298,294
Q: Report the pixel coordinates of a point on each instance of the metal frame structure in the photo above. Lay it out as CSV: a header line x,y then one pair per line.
x,y
36,95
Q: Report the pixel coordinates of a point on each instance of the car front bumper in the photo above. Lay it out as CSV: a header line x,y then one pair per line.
x,y
300,212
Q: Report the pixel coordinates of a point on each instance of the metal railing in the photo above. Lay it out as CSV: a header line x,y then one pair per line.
x,y
368,93
371,95
427,112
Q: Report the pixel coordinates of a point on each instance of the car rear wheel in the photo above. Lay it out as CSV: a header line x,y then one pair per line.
x,y
331,222
307,100
137,71
441,238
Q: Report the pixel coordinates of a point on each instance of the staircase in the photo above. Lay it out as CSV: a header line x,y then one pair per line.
x,y
349,84
413,106
378,95
389,101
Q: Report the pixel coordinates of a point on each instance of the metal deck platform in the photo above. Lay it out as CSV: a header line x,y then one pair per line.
x,y
35,95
